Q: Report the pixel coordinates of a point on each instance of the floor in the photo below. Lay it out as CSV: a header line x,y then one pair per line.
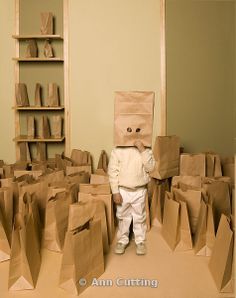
x,y
179,275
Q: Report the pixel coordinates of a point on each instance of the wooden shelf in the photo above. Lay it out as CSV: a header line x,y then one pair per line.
x,y
27,139
33,108
37,36
55,59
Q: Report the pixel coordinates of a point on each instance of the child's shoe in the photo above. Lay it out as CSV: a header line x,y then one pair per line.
x,y
120,248
141,248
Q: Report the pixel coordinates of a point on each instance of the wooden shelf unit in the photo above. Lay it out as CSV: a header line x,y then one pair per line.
x,y
22,65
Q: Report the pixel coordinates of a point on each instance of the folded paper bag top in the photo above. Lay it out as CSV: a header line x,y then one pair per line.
x,y
133,117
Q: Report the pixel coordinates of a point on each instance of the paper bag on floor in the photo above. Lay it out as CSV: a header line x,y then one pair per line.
x,y
133,117
6,206
80,158
221,261
219,196
107,199
193,164
204,238
25,256
76,169
166,153
56,221
228,165
95,189
22,99
194,182
46,23
93,209
78,178
5,248
213,165
82,257
171,221
99,179
185,237
193,199
103,161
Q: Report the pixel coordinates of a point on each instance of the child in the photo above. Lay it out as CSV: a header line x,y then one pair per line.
x,y
128,172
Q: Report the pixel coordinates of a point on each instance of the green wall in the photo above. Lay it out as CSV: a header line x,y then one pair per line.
x,y
200,42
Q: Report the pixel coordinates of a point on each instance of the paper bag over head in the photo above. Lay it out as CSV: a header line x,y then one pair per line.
x,y
133,117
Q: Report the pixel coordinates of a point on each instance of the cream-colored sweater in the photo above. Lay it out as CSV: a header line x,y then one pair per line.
x,y
129,168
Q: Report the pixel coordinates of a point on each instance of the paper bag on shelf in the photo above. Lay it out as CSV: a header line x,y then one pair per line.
x,y
22,99
52,99
38,95
44,128
46,23
24,151
133,118
166,153
30,127
32,49
48,50
41,151
56,126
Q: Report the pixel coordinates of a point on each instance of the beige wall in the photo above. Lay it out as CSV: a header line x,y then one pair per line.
x,y
200,73
7,146
114,45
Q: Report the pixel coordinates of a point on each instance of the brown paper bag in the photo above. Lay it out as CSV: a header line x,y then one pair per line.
x,y
166,152
185,237
219,196
22,99
56,127
213,165
133,118
38,95
193,199
52,99
93,209
32,49
46,23
30,208
205,233
5,249
30,127
82,257
56,221
192,181
6,206
25,154
193,164
95,189
55,176
48,50
41,151
25,257
44,128
80,158
63,162
171,221
77,169
34,174
228,165
103,161
107,199
81,177
221,260
99,179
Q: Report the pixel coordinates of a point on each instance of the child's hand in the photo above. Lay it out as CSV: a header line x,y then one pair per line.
x,y
117,198
138,144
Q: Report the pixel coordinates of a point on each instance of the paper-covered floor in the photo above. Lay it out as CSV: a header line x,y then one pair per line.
x,y
179,275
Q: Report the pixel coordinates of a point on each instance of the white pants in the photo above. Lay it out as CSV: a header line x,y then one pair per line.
x,y
133,207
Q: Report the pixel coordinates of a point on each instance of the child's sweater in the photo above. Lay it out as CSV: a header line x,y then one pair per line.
x,y
129,168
